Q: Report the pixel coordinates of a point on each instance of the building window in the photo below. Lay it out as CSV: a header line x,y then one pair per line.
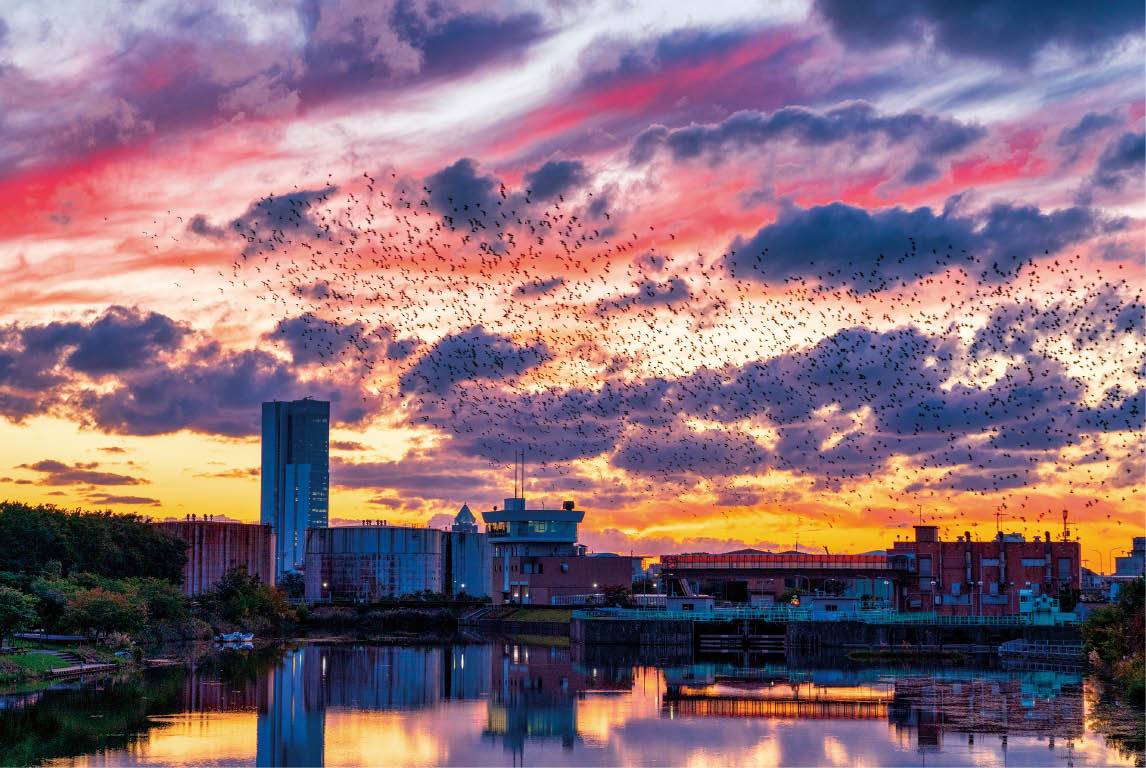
x,y
1064,568
925,566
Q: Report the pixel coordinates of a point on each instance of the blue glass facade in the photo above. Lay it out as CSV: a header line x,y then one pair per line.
x,y
295,476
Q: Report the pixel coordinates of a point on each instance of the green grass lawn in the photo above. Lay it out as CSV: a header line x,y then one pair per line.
x,y
542,614
37,662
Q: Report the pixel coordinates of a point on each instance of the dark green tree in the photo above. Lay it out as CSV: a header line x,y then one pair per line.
x,y
1115,637
292,584
98,612
114,546
163,600
17,611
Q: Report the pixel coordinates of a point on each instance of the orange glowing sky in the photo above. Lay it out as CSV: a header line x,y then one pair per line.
x,y
735,278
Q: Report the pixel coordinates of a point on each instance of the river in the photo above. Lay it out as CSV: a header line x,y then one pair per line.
x,y
520,704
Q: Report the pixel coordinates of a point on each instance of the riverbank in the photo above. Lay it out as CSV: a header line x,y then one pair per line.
x,y
28,662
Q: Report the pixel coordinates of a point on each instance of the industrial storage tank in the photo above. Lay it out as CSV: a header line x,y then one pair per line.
x,y
372,562
215,547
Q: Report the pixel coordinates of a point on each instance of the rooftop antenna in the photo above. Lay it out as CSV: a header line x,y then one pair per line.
x,y
1065,529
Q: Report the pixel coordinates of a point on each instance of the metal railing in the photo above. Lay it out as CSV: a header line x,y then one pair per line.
x,y
785,614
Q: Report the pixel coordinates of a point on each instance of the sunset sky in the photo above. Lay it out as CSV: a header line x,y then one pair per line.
x,y
728,274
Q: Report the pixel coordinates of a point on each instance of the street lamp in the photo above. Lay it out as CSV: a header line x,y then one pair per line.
x,y
1101,567
1110,559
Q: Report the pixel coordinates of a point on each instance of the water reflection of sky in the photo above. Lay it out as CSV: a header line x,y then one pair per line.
x,y
499,705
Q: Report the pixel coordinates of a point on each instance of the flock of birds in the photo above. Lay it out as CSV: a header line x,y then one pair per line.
x,y
566,329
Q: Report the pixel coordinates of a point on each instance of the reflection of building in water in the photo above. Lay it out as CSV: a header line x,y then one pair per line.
x,y
709,690
393,677
203,691
291,722
965,701
1032,704
534,694
294,696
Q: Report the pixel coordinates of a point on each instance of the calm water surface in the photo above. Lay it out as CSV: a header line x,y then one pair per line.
x,y
505,704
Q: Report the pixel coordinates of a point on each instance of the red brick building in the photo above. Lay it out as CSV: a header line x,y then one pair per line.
x,y
537,580
965,577
215,547
535,557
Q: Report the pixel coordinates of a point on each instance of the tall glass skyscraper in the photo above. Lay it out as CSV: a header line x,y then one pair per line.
x,y
295,476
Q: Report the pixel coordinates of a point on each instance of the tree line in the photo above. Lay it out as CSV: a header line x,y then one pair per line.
x,y
113,578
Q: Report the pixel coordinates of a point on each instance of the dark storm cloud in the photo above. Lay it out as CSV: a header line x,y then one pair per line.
x,y
312,339
1090,124
120,339
840,245
471,355
164,379
278,218
682,450
355,47
555,178
220,396
54,472
199,225
459,188
648,293
1121,162
1006,33
538,286
857,122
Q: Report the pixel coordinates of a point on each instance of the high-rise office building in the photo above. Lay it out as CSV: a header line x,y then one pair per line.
x,y
295,476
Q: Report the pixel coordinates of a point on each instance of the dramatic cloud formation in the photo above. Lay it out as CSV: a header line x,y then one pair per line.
x,y
805,268
931,136
471,355
838,244
58,473
1010,34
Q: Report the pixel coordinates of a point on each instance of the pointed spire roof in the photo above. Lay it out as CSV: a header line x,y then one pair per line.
x,y
464,515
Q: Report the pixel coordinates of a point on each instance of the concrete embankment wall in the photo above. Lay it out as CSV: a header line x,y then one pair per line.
x,y
511,627
631,632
